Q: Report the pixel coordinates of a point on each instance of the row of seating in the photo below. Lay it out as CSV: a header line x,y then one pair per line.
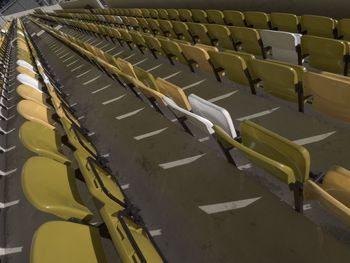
x,y
282,158
284,80
322,53
51,125
306,24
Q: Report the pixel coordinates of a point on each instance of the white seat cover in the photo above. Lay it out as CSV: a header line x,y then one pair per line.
x,y
25,64
215,114
29,81
283,44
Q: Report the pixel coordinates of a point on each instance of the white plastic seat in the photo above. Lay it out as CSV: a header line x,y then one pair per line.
x,y
213,113
29,81
284,44
25,64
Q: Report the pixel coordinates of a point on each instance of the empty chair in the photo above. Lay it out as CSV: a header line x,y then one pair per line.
x,y
344,29
154,26
153,45
220,36
28,93
138,40
163,14
72,243
185,15
285,22
60,195
199,33
320,26
153,13
257,20
145,13
167,28
182,31
146,78
333,193
173,14
126,37
172,50
248,40
143,24
283,159
326,54
281,80
234,18
330,94
199,16
285,46
215,17
134,24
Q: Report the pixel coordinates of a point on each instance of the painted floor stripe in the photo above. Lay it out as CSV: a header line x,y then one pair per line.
x,y
256,115
61,52
82,74
155,233
64,55
4,205
129,114
103,88
72,56
7,251
125,186
59,49
113,100
245,166
109,50
155,67
130,56
92,80
118,53
99,43
227,206
104,46
138,63
193,84
172,75
80,66
204,139
70,64
180,162
313,139
2,173
224,96
149,134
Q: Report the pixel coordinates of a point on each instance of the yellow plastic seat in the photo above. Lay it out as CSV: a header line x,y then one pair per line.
x,y
215,17
163,14
259,20
220,36
199,16
143,24
333,194
153,44
344,29
283,159
71,243
145,13
138,40
182,31
146,78
185,15
330,94
23,70
285,22
50,187
167,28
326,54
199,33
173,51
154,26
29,93
234,18
153,13
42,140
33,111
173,14
320,26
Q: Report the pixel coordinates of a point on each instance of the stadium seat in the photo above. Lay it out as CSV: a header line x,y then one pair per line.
x,y
153,44
36,95
220,36
330,93
333,193
258,20
199,33
173,14
163,14
182,31
154,26
285,22
344,29
234,18
50,187
167,27
145,13
199,16
185,15
285,46
215,17
320,26
326,54
138,40
143,24
153,13
280,157
173,51
146,78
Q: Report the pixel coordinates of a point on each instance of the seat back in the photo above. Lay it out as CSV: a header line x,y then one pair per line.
x,y
214,113
259,20
320,26
330,95
173,14
249,39
234,18
153,44
284,44
125,66
185,15
153,13
167,27
198,56
285,22
163,14
215,17
200,33
182,31
154,26
146,78
173,50
344,29
220,36
199,16
324,53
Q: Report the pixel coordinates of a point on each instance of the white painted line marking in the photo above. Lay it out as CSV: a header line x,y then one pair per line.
x,y
7,149
155,67
180,162
4,205
7,251
105,155
113,100
7,132
223,96
81,117
109,50
104,46
73,104
70,64
61,52
307,207
130,56
172,75
59,49
155,233
227,206
313,139
58,27
82,74
245,166
91,80
129,114
149,134
40,33
204,139
118,53
99,43
72,56
193,84
256,115
138,63
103,88
125,186
2,173
64,55
91,134
174,120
